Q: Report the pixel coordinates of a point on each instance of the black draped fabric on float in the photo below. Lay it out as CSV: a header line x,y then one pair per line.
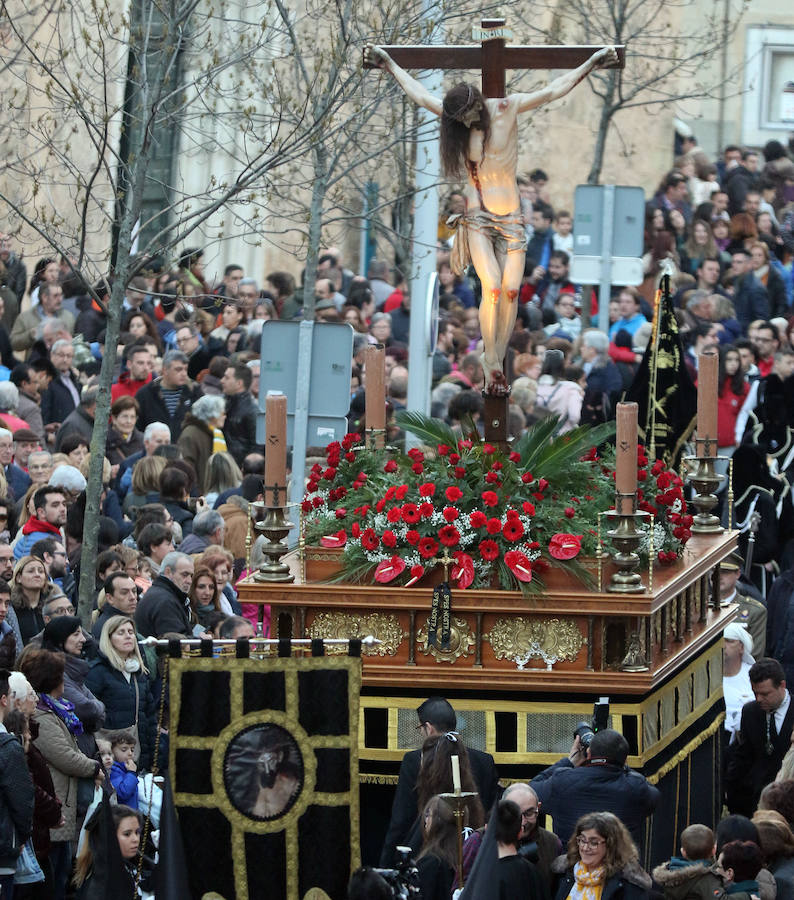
x,y
662,387
265,774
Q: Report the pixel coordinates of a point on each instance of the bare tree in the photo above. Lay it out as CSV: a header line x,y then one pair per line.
x,y
670,45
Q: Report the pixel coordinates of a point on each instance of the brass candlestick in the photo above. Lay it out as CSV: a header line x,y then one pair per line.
x,y
626,538
705,481
275,528
457,801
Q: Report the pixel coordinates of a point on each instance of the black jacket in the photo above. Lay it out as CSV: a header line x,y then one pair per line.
x,y
77,422
749,769
568,792
153,408
240,427
112,688
633,883
404,810
16,800
162,609
57,401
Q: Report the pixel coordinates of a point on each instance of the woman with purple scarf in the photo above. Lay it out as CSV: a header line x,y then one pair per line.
x,y
58,729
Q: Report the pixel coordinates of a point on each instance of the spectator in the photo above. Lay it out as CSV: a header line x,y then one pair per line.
x,y
63,394
155,541
204,596
202,434
29,590
557,395
81,419
241,412
167,399
121,599
777,848
208,528
50,517
138,372
124,439
437,860
690,876
174,493
165,607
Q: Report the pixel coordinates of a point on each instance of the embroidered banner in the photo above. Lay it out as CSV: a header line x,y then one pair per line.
x,y
264,768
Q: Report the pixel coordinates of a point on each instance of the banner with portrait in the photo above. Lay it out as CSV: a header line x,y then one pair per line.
x,y
264,768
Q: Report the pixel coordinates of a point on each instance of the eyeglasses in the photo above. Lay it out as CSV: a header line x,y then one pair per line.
x,y
590,843
530,813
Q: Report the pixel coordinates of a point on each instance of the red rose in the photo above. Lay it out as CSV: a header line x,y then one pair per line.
x,y
329,474
492,478
317,502
340,513
410,512
570,512
394,514
391,466
542,485
489,498
412,536
514,457
442,449
369,540
453,493
565,546
459,472
389,569
464,445
418,468
306,506
448,535
450,513
389,538
529,508
454,458
489,550
427,547
427,489
641,474
416,454
527,477
513,530
477,519
488,449
350,456
463,570
497,466
494,526
426,509
519,565
355,529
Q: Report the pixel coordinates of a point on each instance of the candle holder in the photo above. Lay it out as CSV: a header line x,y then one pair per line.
x,y
626,538
457,802
275,527
705,481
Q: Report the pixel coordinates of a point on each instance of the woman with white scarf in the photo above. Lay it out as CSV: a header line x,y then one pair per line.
x,y
736,661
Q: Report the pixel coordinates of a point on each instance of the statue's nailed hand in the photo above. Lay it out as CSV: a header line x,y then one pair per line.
x,y
375,57
606,58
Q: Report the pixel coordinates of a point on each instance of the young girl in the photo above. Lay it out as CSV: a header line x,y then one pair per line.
x,y
733,390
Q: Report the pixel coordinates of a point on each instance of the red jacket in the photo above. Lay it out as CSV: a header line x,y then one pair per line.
x,y
125,387
728,407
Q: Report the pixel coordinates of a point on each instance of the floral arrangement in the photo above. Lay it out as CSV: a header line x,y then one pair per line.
x,y
494,517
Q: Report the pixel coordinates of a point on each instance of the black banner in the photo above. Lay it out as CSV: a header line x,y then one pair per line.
x,y
441,609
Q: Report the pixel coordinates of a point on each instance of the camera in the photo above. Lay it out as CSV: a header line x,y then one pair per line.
x,y
586,730
403,879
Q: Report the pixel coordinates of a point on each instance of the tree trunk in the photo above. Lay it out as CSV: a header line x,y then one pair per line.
x,y
319,187
604,121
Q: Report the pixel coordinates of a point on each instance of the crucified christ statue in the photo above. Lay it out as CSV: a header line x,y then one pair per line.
x,y
479,140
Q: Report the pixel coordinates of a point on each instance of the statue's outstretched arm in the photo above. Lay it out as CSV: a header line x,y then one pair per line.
x,y
414,90
603,58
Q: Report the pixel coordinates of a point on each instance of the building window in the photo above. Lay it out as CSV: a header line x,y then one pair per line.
x,y
768,101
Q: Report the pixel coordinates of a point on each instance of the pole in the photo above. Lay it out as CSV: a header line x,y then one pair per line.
x,y
605,285
423,253
305,338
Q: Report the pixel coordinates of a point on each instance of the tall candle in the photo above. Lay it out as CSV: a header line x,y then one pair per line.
x,y
375,388
455,773
275,450
626,450
708,379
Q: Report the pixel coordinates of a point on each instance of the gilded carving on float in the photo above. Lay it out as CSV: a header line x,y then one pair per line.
x,y
386,628
461,641
523,639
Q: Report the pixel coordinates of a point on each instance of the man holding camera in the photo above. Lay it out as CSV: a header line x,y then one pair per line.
x,y
594,777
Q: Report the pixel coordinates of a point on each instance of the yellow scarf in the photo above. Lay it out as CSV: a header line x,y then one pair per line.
x,y
589,882
219,444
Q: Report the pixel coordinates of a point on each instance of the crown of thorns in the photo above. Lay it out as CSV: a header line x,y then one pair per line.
x,y
460,113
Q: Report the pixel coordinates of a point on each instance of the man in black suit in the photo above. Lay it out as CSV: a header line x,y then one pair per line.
x,y
436,717
764,737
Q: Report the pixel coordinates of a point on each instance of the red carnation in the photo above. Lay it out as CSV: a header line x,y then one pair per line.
x,y
401,491
369,540
427,489
317,502
418,468
459,472
453,493
492,478
389,538
519,565
416,454
350,456
380,505
410,513
394,514
565,546
412,537
448,535
489,498
426,509
390,492
329,474
340,512
513,530
443,449
494,526
306,506
529,508
450,513
477,519
389,569
427,547
391,466
355,529
489,550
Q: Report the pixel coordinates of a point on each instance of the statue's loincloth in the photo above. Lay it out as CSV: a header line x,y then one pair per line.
x,y
506,234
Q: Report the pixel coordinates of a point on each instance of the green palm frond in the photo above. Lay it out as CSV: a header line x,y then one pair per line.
x,y
433,431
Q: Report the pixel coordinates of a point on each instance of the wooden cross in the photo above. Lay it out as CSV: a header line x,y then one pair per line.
x,y
492,56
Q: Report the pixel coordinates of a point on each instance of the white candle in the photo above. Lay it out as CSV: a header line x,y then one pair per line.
x,y
456,773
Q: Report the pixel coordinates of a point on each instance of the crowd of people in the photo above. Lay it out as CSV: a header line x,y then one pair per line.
x,y
182,467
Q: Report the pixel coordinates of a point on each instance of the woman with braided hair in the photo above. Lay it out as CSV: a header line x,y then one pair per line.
x,y
479,139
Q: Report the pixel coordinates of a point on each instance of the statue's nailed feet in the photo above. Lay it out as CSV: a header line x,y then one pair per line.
x,y
497,385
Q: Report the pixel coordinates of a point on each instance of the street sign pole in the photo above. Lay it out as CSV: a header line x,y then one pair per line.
x,y
605,286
